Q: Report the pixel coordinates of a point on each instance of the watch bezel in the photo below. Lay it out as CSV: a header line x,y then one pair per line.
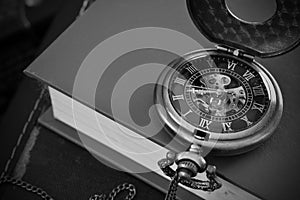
x,y
232,143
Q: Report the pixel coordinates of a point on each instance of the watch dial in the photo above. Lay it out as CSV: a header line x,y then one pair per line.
x,y
218,93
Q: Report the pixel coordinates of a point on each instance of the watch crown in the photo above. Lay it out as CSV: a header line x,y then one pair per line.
x,y
194,158
187,169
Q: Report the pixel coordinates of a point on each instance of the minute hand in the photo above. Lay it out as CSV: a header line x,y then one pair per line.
x,y
201,87
199,91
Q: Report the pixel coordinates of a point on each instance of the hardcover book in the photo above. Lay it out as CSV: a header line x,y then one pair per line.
x,y
102,74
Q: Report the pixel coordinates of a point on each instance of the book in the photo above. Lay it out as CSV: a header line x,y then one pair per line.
x,y
100,147
261,171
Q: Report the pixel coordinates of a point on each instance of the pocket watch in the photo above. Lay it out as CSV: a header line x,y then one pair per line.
x,y
219,98
222,100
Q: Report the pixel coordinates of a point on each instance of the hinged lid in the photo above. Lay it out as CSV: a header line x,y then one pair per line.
x,y
235,52
275,36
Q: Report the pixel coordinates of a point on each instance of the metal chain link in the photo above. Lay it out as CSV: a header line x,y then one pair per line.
x,y
211,184
171,195
44,195
27,186
112,195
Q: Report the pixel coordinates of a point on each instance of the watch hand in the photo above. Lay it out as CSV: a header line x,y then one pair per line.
x,y
193,90
205,88
240,88
202,102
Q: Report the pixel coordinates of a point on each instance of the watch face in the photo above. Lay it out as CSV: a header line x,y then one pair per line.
x,y
218,93
219,100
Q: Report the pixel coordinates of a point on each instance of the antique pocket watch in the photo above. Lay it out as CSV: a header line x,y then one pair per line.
x,y
217,97
221,99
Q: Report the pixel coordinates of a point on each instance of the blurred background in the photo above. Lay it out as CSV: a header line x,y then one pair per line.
x,y
23,25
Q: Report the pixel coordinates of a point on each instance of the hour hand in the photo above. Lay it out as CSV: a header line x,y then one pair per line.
x,y
204,104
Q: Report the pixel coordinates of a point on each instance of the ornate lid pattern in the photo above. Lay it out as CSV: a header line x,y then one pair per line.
x,y
275,36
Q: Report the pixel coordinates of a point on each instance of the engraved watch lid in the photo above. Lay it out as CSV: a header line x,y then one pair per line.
x,y
274,36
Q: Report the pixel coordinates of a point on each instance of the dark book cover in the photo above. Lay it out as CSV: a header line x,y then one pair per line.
x,y
269,171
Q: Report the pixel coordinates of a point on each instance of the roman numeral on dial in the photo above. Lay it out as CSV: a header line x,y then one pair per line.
x,y
188,112
231,65
211,63
178,97
204,123
258,90
180,81
191,68
227,126
257,106
248,75
245,119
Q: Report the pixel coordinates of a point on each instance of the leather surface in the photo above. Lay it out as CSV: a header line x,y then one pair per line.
x,y
67,171
29,90
277,35
16,117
